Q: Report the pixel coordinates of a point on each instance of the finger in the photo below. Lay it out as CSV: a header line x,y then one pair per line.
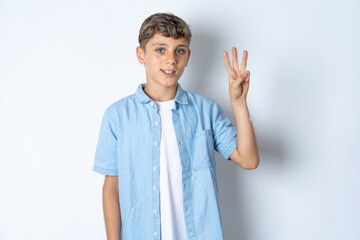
x,y
245,88
227,63
248,75
235,59
244,61
243,77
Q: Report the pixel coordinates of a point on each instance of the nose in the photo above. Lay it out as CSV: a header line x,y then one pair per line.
x,y
171,58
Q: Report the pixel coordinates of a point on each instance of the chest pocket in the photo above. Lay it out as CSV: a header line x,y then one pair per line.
x,y
203,150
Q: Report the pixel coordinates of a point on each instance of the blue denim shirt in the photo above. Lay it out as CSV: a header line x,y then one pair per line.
x,y
129,147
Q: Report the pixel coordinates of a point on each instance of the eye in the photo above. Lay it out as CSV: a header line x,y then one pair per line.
x,y
180,51
160,50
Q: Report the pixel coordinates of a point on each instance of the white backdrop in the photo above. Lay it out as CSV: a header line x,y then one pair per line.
x,y
63,62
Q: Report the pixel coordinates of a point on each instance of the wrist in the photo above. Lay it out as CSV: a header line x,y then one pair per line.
x,y
238,103
240,109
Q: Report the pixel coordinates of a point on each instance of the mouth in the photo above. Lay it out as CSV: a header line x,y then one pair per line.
x,y
169,73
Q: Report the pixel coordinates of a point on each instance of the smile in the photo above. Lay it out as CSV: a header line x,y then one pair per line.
x,y
167,71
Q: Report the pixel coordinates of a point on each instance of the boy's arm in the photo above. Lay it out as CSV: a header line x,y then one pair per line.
x,y
246,154
111,206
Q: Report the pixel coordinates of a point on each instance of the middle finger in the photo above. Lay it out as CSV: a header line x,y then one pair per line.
x,y
234,59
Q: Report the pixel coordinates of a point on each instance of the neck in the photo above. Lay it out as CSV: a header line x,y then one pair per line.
x,y
159,93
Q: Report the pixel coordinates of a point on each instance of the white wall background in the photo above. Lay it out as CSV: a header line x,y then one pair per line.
x,y
63,62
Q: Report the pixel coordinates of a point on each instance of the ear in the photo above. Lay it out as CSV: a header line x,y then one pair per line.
x,y
140,54
187,60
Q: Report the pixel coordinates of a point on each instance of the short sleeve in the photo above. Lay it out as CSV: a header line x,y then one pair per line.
x,y
105,157
224,132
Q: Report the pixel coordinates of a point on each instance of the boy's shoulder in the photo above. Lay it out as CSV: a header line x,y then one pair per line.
x,y
122,103
200,101
199,98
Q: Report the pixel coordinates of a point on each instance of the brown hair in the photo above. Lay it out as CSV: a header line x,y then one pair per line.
x,y
167,24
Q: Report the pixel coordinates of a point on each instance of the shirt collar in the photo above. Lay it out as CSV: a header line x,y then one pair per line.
x,y
180,97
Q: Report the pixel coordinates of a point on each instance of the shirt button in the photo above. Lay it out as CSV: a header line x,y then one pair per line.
x,y
154,211
187,208
152,103
180,142
184,185
154,168
154,188
156,123
156,234
190,230
156,144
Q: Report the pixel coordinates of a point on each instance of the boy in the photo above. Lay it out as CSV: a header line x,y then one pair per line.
x,y
156,146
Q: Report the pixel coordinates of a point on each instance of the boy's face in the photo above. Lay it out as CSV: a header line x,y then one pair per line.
x,y
165,59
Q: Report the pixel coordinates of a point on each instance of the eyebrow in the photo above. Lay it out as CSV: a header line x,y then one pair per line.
x,y
164,44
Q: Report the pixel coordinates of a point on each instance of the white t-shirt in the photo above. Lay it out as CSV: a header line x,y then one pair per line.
x,y
171,192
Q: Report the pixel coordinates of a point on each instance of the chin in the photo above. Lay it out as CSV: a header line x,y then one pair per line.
x,y
169,83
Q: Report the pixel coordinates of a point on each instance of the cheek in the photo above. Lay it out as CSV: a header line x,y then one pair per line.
x,y
151,65
184,62
155,63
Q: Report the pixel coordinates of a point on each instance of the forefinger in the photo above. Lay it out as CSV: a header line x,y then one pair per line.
x,y
227,62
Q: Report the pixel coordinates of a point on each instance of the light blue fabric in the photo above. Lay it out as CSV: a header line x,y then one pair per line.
x,y
129,147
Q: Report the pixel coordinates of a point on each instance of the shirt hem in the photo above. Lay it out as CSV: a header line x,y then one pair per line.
x,y
230,149
105,171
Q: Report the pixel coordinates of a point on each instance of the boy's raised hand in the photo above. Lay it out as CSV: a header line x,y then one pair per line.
x,y
238,77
